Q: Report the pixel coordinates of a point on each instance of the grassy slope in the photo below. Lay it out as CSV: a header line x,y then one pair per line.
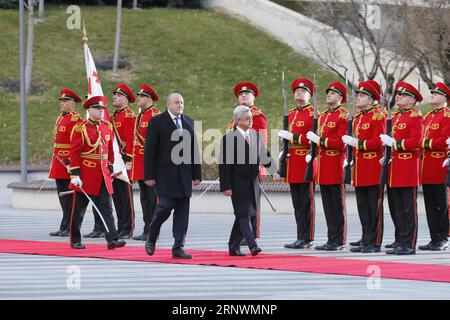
x,y
200,53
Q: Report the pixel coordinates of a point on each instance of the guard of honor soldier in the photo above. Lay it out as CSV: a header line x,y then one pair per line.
x,y
302,192
91,158
123,120
332,125
368,124
146,97
404,174
434,152
60,158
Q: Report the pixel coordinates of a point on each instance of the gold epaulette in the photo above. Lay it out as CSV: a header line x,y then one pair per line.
x,y
416,113
75,117
292,110
79,126
447,114
129,113
109,124
255,111
155,111
344,113
378,115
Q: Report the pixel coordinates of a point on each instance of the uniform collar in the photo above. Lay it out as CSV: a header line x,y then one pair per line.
x,y
94,122
120,110
333,110
304,107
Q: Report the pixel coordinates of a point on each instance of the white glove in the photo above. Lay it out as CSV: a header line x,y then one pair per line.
x,y
445,163
308,158
128,166
285,135
313,137
346,163
76,182
448,142
381,160
350,140
387,140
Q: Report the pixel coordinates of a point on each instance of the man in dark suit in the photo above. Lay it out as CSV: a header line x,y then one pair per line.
x,y
172,166
242,151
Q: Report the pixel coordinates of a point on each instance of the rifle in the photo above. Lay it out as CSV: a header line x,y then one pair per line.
x,y
387,149
283,159
309,166
447,179
348,168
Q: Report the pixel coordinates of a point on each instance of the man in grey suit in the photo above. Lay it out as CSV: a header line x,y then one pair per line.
x,y
172,166
242,151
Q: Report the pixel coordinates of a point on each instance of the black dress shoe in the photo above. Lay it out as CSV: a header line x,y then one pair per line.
x,y
98,234
356,249
255,250
149,248
321,247
356,243
77,245
393,245
236,253
180,254
116,244
142,237
299,244
439,246
123,235
370,248
426,246
55,234
64,233
90,234
402,251
334,247
391,251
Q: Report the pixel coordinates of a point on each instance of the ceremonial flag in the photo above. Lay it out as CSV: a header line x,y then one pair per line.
x,y
95,89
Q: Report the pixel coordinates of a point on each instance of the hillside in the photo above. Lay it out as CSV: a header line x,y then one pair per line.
x,y
201,53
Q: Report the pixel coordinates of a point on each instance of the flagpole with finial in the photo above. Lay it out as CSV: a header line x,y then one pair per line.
x,y
85,38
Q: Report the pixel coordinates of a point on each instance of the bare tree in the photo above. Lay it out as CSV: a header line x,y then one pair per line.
x,y
368,44
424,37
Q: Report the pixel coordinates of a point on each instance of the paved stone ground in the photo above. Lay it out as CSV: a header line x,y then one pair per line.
x,y
42,277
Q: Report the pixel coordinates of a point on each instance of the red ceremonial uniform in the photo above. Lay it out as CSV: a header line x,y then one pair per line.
x,y
140,133
331,149
300,122
407,130
367,127
91,150
124,121
434,148
61,144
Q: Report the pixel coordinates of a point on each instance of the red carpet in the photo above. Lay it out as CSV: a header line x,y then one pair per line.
x,y
281,262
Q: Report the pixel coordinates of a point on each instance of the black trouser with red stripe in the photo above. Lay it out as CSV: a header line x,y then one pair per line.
x,y
391,206
436,205
303,200
148,203
333,200
123,203
405,206
103,203
65,202
369,201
